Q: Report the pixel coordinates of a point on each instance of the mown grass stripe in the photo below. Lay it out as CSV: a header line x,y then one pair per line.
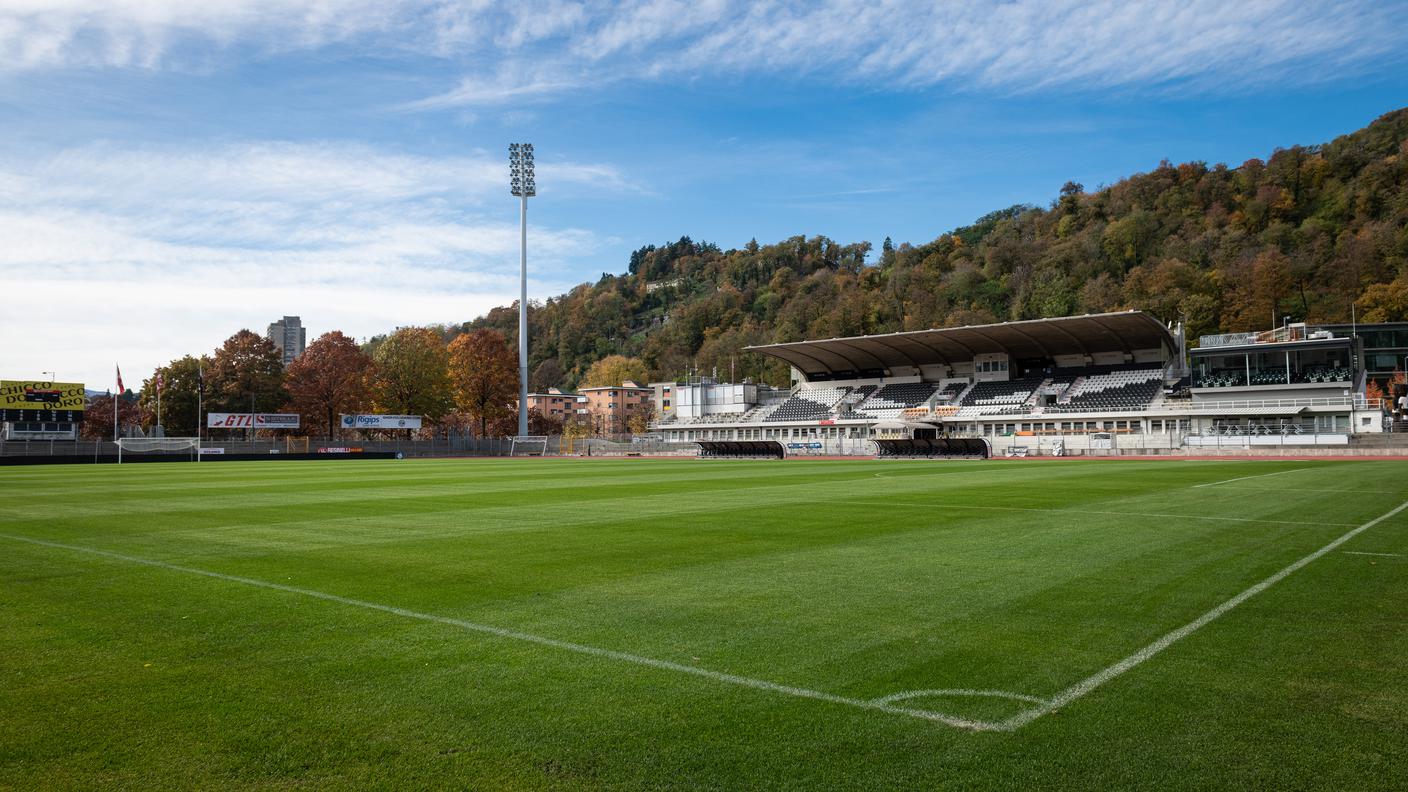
x,y
1090,683
881,705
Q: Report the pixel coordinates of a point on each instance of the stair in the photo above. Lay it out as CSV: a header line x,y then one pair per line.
x,y
1032,400
1065,397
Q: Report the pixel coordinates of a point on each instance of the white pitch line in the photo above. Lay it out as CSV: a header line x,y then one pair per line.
x,y
880,705
1094,681
1293,490
1087,512
905,695
1380,555
1244,478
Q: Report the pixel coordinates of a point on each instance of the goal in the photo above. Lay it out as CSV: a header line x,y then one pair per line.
x,y
161,445
528,445
296,444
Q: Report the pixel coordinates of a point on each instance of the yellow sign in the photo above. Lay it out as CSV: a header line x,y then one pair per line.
x,y
40,395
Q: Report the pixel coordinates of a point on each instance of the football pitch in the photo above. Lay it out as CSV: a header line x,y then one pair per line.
x,y
693,624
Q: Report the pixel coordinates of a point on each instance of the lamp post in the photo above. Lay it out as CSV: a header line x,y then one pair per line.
x,y
522,185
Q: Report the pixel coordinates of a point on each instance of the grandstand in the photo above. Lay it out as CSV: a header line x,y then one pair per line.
x,y
808,404
890,401
1078,377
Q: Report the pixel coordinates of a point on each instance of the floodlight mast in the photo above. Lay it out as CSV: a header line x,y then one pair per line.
x,y
522,185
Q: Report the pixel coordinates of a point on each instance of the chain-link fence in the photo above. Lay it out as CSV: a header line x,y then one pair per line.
x,y
106,451
94,450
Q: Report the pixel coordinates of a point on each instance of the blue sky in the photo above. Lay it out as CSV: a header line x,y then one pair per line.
x,y
173,171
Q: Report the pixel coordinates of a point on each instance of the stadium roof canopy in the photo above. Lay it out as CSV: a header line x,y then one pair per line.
x,y
1025,340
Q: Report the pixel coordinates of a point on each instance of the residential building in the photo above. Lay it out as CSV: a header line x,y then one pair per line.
x,y
289,337
554,404
610,408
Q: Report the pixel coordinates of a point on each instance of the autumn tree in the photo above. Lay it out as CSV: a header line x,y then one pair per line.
x,y
614,370
412,374
246,372
547,374
639,423
540,425
97,416
1254,292
333,376
180,396
1384,302
576,430
1373,391
484,377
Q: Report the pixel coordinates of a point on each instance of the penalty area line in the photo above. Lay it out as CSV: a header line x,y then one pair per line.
x,y
881,705
1246,478
1090,683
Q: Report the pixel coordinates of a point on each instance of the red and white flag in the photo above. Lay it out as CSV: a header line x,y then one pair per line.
x,y
120,389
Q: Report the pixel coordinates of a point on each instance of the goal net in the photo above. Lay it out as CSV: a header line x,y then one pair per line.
x,y
157,445
296,445
528,445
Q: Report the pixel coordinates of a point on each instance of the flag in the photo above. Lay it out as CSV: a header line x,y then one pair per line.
x,y
158,382
120,389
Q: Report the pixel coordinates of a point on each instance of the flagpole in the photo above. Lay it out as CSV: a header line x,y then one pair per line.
x,y
114,404
200,403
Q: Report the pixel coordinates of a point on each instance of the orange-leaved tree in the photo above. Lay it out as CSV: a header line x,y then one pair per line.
x,y
331,377
484,377
246,371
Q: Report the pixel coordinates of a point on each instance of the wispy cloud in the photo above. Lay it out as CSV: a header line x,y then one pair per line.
x,y
539,48
164,33
180,247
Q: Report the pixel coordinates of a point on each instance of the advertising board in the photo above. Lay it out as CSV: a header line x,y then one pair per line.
x,y
218,420
381,422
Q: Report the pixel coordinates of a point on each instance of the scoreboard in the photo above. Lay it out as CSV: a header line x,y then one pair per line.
x,y
38,400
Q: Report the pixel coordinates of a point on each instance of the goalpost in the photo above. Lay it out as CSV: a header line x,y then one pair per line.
x,y
528,445
296,444
145,445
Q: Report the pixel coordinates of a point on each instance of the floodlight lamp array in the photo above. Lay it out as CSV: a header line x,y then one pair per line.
x,y
520,170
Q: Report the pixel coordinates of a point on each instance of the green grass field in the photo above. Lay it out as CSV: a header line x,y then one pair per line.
x,y
546,624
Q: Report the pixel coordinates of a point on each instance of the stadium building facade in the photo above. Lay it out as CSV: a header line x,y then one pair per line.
x,y
1084,383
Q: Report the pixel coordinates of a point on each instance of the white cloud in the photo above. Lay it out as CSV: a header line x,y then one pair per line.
x,y
155,253
536,48
149,33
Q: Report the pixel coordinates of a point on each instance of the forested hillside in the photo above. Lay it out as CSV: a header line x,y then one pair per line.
x,y
1305,233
